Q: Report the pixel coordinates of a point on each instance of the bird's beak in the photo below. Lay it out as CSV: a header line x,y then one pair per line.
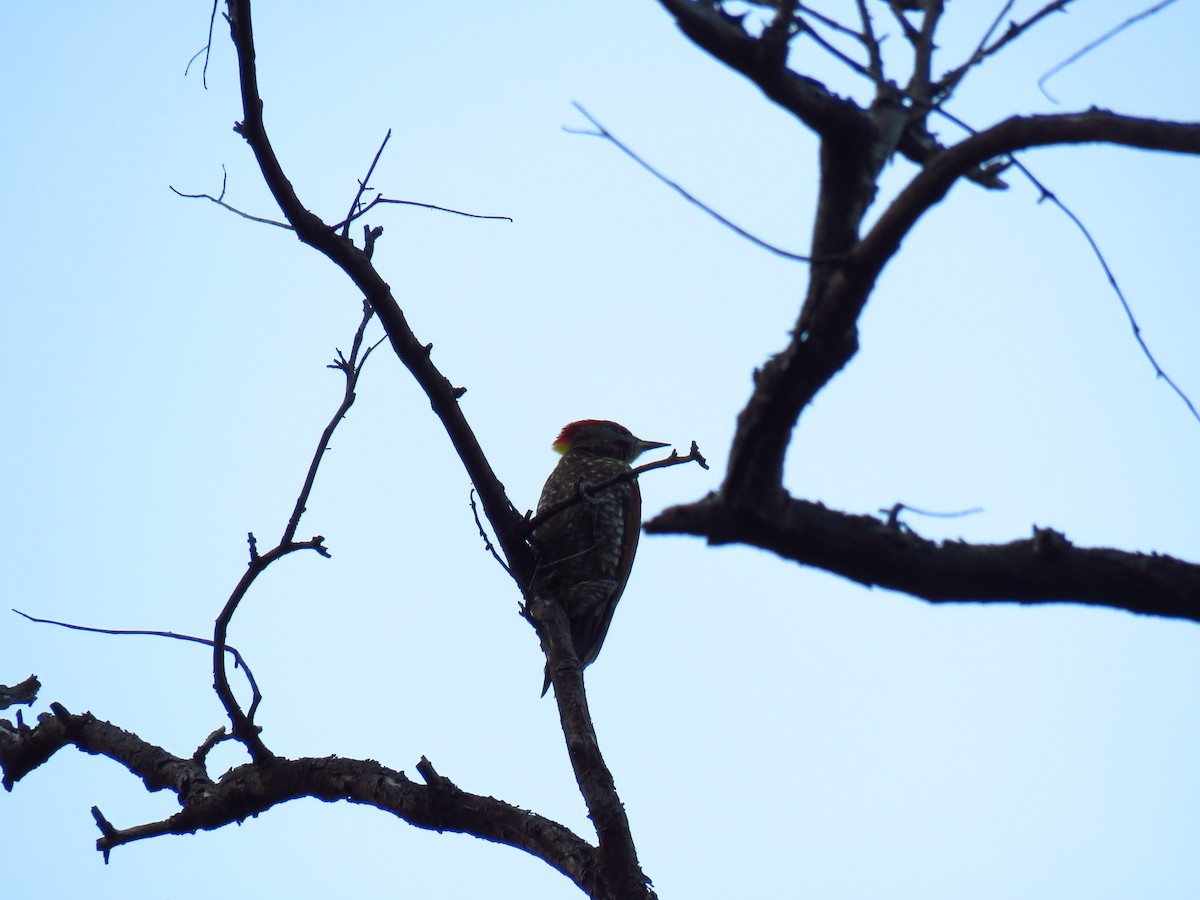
x,y
643,446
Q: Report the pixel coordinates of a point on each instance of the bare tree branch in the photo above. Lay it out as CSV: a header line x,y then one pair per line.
x,y
380,201
1092,45
23,692
344,226
604,133
619,874
590,491
352,369
251,789
875,67
930,186
726,39
846,267
356,263
1045,568
825,337
239,661
948,82
220,201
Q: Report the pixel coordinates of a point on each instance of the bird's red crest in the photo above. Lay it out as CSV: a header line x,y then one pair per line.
x,y
567,436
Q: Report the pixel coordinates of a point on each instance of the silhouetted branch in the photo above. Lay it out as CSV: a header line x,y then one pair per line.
x,y
239,662
586,491
356,263
23,692
871,42
831,49
618,868
244,728
948,82
602,132
1047,194
357,211
752,506
379,201
487,541
362,187
206,50
726,39
1112,280
220,201
252,789
1045,568
893,513
930,185
1088,48
351,368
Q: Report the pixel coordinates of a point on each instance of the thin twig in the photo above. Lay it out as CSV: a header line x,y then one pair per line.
x,y
362,185
487,541
238,660
842,57
947,83
1047,194
351,368
910,32
987,35
380,200
206,49
921,83
220,201
1112,280
602,132
893,514
1088,48
589,491
871,42
832,23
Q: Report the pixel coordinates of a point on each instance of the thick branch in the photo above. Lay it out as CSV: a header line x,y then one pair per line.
x,y
25,692
619,871
764,63
1045,568
825,337
931,185
253,788
23,749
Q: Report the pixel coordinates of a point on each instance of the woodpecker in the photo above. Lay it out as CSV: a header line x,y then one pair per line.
x,y
585,552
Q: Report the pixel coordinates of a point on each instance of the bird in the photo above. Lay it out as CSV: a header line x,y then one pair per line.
x,y
584,553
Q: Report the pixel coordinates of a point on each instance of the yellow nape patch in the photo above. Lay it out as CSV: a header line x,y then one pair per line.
x,y
561,446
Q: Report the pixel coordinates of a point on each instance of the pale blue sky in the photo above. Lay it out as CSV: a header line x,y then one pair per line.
x,y
774,731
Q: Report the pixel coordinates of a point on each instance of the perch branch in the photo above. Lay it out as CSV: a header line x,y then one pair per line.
x,y
590,491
